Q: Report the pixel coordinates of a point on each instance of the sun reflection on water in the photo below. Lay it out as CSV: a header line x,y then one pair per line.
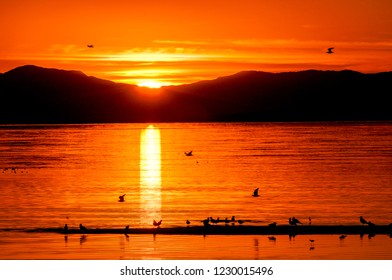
x,y
150,175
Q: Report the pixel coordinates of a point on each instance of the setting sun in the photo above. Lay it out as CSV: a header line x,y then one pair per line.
x,y
150,84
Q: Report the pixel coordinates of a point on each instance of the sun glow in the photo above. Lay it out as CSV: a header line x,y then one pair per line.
x,y
150,84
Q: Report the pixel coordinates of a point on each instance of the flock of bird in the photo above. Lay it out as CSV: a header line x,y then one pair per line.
x,y
206,222
292,221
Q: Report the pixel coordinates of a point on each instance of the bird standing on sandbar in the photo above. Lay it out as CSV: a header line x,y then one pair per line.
x,y
126,231
65,229
188,222
295,221
363,221
256,192
83,229
371,224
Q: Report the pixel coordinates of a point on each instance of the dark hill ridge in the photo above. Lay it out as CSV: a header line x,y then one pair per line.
x,y
31,94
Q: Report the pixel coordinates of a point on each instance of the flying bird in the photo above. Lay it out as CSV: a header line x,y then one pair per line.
x,y
256,192
330,50
90,46
157,224
188,154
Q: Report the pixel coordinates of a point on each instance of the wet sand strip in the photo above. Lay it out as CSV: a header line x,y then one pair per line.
x,y
234,230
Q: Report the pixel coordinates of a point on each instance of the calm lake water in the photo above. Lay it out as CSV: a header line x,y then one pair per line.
x,y
53,175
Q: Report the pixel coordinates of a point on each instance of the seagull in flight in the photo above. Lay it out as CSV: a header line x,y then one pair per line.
x,y
157,224
188,154
256,192
330,50
90,46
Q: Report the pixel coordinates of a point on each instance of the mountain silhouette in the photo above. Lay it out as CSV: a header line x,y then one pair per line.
x,y
31,94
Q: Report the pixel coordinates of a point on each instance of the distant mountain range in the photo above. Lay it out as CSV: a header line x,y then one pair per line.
x,y
31,94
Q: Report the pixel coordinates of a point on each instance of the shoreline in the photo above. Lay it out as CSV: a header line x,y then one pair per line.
x,y
228,230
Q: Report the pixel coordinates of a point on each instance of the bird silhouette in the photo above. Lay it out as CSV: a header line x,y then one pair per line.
x,y
126,231
342,237
83,229
214,221
188,222
188,154
295,221
121,198
363,221
256,192
330,50
371,224
65,229
311,241
90,46
272,238
157,224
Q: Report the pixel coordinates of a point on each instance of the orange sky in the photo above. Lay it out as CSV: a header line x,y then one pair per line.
x,y
179,41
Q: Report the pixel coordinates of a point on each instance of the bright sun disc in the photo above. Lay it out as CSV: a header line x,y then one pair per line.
x,y
150,84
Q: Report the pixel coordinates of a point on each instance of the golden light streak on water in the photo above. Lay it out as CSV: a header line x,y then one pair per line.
x,y
150,175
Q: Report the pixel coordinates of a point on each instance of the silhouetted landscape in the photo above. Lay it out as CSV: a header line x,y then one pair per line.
x,y
31,94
